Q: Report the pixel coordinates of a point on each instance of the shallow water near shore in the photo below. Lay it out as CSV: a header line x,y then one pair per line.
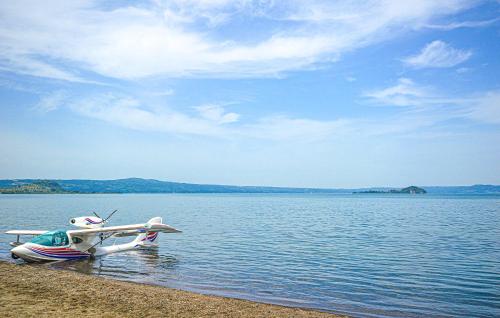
x,y
363,255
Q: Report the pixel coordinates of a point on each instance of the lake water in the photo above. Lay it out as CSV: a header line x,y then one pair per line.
x,y
364,255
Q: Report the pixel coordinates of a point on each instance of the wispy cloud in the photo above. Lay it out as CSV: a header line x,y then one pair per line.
x,y
298,129
408,93
184,38
35,67
483,107
161,93
130,113
462,24
209,120
214,120
217,114
404,93
51,101
438,54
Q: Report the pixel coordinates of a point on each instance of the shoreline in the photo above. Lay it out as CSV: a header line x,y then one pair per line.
x,y
28,291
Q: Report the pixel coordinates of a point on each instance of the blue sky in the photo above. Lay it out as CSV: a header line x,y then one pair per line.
x,y
284,93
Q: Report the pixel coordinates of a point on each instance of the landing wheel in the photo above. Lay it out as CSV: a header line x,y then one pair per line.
x,y
14,256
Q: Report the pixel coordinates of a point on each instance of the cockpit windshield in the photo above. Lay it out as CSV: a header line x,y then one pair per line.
x,y
52,238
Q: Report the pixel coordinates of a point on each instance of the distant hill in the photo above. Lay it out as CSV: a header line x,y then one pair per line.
x,y
413,190
137,185
474,189
38,186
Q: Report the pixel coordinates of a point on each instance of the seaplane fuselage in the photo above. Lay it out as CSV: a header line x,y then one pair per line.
x,y
87,241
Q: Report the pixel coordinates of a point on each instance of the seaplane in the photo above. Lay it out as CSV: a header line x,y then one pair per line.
x,y
87,240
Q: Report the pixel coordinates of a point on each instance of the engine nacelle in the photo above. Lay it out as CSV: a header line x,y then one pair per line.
x,y
87,222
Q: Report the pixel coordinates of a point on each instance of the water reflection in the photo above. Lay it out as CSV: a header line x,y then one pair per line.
x,y
89,266
144,262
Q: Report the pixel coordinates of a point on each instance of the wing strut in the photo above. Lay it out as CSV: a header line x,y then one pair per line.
x,y
102,238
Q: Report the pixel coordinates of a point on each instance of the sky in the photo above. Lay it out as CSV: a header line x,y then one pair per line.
x,y
279,93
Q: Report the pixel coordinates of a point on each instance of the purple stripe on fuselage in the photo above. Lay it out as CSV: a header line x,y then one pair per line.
x,y
69,253
68,256
92,221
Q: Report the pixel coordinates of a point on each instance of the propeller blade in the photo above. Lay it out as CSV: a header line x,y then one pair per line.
x,y
109,216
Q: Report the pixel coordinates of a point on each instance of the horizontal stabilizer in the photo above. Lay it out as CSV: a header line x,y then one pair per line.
x,y
163,228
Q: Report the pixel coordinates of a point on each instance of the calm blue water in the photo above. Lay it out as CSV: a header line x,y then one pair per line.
x,y
364,255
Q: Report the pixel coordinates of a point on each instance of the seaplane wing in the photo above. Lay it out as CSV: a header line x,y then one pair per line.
x,y
163,228
128,233
127,230
25,232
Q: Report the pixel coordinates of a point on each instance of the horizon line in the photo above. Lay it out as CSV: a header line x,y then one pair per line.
x,y
262,186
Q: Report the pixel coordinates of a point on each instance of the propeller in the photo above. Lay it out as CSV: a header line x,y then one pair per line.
x,y
109,216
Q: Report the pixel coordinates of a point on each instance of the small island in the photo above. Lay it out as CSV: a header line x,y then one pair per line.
x,y
407,190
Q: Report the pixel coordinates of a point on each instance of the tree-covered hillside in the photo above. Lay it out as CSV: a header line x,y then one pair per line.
x,y
137,185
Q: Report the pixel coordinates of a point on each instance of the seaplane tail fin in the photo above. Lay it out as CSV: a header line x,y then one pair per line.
x,y
149,238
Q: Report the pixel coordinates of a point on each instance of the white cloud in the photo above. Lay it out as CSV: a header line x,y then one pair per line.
x,y
187,38
298,129
462,24
217,114
211,120
485,108
480,107
130,113
162,93
26,65
438,54
404,93
51,101
412,95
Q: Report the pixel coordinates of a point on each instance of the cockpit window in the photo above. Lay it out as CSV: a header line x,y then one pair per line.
x,y
53,238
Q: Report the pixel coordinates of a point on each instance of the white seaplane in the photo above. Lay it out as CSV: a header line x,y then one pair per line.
x,y
86,241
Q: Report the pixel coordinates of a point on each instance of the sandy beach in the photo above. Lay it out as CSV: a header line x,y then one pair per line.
x,y
28,291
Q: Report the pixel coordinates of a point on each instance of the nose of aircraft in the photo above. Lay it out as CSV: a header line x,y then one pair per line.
x,y
18,251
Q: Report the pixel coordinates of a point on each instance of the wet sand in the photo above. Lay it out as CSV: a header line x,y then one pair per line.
x,y
28,291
